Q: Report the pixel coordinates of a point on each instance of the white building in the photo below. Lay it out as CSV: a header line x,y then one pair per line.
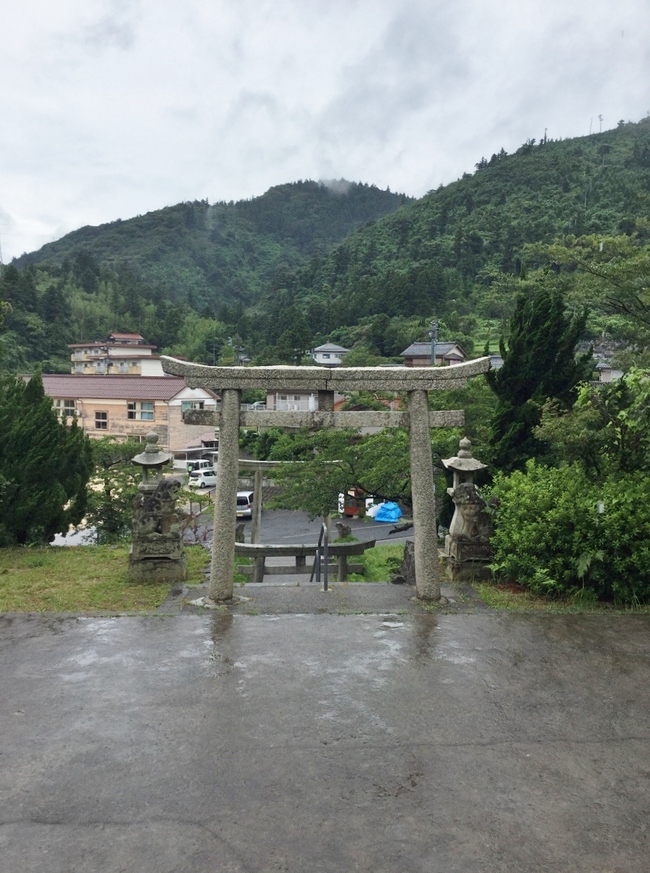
x,y
122,354
329,355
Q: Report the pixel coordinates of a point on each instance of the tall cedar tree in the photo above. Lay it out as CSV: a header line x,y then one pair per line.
x,y
539,363
44,465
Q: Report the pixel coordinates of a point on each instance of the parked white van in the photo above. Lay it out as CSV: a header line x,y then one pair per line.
x,y
199,465
244,504
202,479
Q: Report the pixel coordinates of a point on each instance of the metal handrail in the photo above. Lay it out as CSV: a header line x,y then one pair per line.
x,y
321,556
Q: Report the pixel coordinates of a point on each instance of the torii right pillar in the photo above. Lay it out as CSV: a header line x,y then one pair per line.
x,y
427,576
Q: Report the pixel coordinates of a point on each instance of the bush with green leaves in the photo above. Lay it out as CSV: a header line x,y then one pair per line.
x,y
560,533
44,465
113,488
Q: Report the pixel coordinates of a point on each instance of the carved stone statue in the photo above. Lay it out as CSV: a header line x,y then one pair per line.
x,y
157,548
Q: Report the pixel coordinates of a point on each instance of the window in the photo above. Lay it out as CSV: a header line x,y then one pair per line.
x,y
140,410
326,354
64,408
186,405
101,421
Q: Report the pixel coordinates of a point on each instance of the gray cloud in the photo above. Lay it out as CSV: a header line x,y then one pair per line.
x,y
123,106
340,187
115,28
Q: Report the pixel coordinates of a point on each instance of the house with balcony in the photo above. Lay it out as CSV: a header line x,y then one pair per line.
x,y
121,354
126,406
292,401
307,401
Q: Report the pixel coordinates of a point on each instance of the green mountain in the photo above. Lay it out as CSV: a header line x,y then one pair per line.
x,y
224,252
306,262
450,253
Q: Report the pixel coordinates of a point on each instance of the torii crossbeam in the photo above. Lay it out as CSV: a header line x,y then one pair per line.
x,y
415,381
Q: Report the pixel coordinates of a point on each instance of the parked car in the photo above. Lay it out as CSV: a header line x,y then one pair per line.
x,y
202,479
201,464
244,504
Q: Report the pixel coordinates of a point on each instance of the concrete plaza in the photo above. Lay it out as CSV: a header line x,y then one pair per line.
x,y
469,742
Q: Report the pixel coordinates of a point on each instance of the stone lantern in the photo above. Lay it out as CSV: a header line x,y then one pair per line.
x,y
157,548
152,461
467,545
463,466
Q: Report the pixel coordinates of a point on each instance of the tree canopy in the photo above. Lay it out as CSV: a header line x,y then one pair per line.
x,y
44,465
539,363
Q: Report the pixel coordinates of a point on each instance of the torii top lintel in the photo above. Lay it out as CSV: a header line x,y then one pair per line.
x,y
341,379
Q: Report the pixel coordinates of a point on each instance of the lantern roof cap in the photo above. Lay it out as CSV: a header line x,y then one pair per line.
x,y
152,455
464,460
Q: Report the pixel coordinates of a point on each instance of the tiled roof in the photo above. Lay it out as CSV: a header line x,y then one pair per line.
x,y
199,442
330,347
112,387
421,350
109,344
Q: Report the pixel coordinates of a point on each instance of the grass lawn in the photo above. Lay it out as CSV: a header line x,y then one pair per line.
x,y
379,563
384,560
81,578
516,598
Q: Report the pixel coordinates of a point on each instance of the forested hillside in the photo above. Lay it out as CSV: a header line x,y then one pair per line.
x,y
224,252
275,275
458,252
177,274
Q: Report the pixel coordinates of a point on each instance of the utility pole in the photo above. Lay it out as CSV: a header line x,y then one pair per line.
x,y
600,118
433,333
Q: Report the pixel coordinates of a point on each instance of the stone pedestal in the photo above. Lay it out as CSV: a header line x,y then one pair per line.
x,y
167,570
466,559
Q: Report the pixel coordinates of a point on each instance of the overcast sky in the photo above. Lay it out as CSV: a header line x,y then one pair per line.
x,y
114,108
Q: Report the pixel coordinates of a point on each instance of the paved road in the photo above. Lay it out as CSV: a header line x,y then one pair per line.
x,y
325,744
287,526
278,526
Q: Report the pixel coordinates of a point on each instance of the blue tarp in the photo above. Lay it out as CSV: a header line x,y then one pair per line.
x,y
388,512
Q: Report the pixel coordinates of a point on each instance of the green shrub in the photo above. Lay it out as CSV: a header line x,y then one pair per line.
x,y
381,562
550,536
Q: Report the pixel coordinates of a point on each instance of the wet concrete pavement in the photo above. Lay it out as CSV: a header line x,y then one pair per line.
x,y
304,597
469,742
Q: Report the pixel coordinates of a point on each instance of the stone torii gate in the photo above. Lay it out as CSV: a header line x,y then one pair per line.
x,y
416,382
